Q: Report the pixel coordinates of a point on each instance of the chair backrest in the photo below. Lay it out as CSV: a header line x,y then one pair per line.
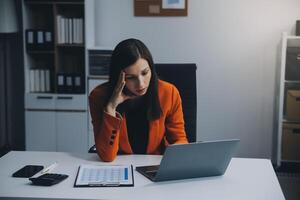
x,y
183,76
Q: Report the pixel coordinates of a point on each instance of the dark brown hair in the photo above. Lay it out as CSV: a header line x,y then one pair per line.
x,y
126,53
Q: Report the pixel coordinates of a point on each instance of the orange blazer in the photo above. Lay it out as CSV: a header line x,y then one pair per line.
x,y
111,134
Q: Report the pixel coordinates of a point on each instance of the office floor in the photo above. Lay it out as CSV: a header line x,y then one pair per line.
x,y
3,152
288,176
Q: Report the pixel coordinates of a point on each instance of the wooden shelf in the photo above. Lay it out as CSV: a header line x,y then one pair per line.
x,y
98,77
40,2
70,45
287,81
290,121
40,52
69,3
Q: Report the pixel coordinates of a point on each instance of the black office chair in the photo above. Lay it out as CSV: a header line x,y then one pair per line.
x,y
183,76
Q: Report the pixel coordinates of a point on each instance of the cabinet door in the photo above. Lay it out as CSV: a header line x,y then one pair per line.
x,y
70,102
40,131
39,101
72,135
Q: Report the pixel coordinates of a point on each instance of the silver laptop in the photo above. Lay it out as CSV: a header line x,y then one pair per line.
x,y
199,159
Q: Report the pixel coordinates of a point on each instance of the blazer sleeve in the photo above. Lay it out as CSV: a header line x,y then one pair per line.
x,y
175,132
106,128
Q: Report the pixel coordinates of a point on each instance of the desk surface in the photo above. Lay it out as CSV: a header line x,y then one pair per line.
x,y
244,179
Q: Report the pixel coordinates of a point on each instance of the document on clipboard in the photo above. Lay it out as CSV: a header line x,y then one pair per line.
x,y
89,175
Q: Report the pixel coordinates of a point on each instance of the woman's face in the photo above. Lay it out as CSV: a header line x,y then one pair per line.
x,y
137,77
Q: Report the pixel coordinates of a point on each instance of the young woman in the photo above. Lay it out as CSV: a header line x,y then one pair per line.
x,y
135,112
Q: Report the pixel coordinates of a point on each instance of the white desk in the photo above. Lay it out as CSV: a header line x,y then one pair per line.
x,y
244,179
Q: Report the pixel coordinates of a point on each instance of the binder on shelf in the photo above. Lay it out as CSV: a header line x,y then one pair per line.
x,y
61,88
69,30
47,80
80,31
66,28
38,39
30,39
59,29
36,80
42,81
78,83
70,83
31,81
74,35
39,80
48,36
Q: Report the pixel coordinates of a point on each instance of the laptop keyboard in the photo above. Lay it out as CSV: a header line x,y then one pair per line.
x,y
151,170
148,171
151,173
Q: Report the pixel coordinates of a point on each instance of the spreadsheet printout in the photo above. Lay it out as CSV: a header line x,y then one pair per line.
x,y
104,175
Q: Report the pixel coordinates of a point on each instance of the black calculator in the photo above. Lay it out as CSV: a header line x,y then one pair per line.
x,y
48,179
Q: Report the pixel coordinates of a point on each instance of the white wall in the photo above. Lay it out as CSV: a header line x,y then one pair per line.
x,y
234,44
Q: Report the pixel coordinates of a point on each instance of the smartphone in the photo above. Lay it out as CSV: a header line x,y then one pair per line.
x,y
127,92
28,171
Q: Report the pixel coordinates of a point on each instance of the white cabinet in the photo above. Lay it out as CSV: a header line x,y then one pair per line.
x,y
40,131
56,122
71,131
56,131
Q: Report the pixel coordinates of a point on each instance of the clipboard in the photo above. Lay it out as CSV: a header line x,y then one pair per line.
x,y
90,175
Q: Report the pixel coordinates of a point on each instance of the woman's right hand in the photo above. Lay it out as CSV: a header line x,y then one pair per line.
x,y
117,96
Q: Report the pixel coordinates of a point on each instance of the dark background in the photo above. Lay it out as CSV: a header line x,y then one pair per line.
x,y
12,125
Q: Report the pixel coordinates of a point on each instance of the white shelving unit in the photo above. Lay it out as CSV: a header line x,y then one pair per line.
x,y
55,121
282,86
